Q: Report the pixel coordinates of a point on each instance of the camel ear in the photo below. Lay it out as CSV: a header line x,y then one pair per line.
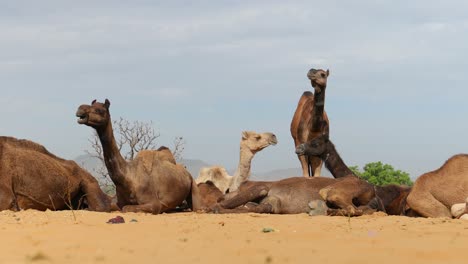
x,y
328,72
94,101
245,135
107,103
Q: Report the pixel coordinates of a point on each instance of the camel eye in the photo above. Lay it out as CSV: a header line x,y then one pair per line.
x,y
99,111
323,75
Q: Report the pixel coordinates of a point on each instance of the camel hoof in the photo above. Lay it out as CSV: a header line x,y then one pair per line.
x,y
318,207
458,209
464,217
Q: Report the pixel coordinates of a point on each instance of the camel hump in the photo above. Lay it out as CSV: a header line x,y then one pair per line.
x,y
27,145
307,94
151,158
162,148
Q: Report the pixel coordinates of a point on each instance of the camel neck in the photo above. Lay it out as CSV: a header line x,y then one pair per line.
x,y
114,161
243,169
334,163
318,109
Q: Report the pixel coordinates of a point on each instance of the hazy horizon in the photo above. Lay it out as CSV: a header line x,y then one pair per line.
x,y
208,70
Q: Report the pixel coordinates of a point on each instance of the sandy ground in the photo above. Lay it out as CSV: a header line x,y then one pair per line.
x,y
59,237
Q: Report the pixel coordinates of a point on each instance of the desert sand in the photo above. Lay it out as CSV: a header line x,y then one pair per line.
x,y
85,237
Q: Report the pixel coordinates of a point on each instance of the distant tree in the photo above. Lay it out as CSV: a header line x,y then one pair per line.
x,y
381,174
131,138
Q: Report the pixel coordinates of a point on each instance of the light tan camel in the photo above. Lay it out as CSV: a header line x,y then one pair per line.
x,y
152,182
33,178
310,120
251,143
435,192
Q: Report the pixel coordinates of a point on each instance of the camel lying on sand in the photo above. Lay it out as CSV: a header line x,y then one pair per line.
x,y
310,120
293,196
344,193
435,192
33,178
251,143
152,182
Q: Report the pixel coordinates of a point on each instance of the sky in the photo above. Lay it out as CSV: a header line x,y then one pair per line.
x,y
208,70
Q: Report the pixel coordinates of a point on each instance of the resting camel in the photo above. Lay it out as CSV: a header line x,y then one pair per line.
x,y
33,178
310,120
346,195
350,189
152,182
251,143
435,192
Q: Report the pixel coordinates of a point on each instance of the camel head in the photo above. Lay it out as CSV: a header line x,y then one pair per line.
x,y
393,198
315,147
255,142
318,79
95,115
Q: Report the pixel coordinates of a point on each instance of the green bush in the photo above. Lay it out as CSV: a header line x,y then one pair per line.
x,y
380,174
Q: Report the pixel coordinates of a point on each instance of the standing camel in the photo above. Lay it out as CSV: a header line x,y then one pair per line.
x,y
310,120
33,178
152,182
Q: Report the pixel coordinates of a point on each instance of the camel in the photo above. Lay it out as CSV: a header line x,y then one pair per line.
x,y
152,182
345,194
33,178
435,192
310,120
251,143
350,188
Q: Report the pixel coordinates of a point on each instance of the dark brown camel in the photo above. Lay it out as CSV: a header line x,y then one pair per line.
x,y
310,120
350,190
435,192
346,195
152,182
33,178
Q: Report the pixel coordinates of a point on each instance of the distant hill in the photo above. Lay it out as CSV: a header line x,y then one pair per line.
x,y
88,162
194,166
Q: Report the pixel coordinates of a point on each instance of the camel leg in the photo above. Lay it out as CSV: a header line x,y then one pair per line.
x,y
264,208
316,166
152,208
7,199
342,200
97,200
304,165
248,195
425,204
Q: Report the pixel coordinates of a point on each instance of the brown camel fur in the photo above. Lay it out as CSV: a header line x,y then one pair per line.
x,y
152,182
435,192
346,195
251,143
310,120
33,178
293,195
351,190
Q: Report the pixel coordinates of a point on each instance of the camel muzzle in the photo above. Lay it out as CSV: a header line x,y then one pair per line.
x,y
82,117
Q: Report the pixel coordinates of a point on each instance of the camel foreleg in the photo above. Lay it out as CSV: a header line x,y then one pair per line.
x,y
152,208
251,194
